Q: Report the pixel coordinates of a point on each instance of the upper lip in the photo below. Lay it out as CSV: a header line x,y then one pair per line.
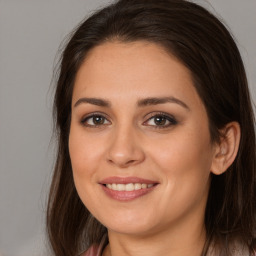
x,y
126,180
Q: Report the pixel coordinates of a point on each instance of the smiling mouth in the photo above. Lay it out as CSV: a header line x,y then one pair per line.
x,y
129,186
127,192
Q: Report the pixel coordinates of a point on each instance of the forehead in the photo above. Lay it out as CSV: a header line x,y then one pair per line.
x,y
116,70
127,57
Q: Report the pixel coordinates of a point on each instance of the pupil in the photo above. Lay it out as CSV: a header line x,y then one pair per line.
x,y
159,120
98,120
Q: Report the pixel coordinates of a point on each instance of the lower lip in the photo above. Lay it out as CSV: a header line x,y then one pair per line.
x,y
127,195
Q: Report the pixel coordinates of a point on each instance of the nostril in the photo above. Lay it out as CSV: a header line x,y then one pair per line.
x,y
122,162
131,161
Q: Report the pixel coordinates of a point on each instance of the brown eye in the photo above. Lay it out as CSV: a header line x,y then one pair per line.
x,y
161,121
98,120
95,120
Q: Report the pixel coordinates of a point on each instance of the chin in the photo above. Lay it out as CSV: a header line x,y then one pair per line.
x,y
130,225
131,229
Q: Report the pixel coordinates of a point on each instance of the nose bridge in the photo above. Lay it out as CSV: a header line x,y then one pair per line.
x,y
125,148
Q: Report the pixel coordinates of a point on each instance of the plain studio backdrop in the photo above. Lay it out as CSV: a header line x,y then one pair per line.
x,y
30,34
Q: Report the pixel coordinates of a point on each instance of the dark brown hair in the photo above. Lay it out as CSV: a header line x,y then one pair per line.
x,y
203,44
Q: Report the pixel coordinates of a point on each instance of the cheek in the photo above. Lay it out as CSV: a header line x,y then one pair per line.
x,y
185,162
182,150
84,152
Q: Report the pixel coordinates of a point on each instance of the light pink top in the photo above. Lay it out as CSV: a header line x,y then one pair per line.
x,y
238,250
92,251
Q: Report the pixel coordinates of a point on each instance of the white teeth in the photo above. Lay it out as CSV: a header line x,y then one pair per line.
x,y
129,186
120,187
137,186
143,185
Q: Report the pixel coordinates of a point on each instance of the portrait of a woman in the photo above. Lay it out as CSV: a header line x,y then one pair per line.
x,y
156,136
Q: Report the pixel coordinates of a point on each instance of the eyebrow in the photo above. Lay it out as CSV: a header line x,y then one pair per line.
x,y
161,100
141,103
94,101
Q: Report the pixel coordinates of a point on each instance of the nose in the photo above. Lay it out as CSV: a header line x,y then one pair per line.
x,y
125,148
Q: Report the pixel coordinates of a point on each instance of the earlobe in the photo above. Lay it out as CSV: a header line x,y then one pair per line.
x,y
226,151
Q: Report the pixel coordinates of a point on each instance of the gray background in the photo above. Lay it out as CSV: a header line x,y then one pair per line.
x,y
30,34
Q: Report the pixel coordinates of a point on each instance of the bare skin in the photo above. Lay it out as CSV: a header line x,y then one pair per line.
x,y
167,142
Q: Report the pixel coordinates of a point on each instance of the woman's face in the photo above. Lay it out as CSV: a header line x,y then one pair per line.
x,y
139,140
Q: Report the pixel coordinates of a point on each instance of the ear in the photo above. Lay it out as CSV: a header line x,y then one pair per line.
x,y
225,152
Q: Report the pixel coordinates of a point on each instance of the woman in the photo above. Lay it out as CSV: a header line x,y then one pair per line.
x,y
156,136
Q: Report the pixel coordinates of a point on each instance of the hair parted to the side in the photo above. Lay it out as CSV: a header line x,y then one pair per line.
x,y
203,44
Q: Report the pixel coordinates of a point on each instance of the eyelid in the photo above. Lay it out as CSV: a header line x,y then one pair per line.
x,y
91,115
173,121
170,118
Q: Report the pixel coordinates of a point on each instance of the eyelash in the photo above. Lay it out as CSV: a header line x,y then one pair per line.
x,y
169,118
172,121
85,119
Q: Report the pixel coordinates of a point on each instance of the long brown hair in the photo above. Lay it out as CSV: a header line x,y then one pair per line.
x,y
203,44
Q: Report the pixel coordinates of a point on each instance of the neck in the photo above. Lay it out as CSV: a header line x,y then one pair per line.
x,y
180,242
